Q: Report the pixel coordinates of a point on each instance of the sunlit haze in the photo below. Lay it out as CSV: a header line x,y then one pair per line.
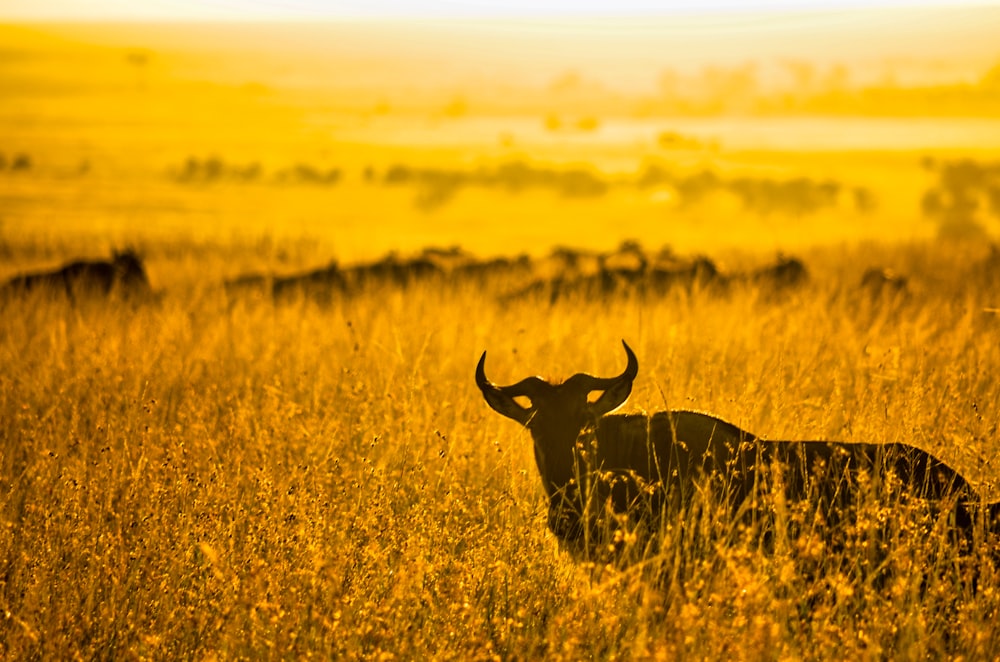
x,y
292,9
765,87
251,252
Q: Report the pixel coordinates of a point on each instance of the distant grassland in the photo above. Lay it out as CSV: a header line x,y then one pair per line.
x,y
206,476
210,477
111,128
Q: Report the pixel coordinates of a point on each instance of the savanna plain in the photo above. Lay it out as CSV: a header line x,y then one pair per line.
x,y
215,472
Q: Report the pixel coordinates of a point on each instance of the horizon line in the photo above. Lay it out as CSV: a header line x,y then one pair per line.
x,y
450,12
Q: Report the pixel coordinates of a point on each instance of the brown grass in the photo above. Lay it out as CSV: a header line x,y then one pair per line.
x,y
199,477
202,478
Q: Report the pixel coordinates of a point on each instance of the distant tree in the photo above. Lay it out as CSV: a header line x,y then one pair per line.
x,y
139,59
965,192
991,79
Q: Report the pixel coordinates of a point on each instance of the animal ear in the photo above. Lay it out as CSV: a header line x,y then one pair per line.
x,y
506,405
612,398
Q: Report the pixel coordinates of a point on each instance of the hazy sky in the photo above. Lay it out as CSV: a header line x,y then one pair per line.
x,y
290,9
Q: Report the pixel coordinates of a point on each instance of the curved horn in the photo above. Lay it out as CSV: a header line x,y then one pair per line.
x,y
631,370
501,398
616,389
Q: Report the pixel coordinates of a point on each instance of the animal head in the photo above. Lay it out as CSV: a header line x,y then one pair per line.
x,y
558,413
129,270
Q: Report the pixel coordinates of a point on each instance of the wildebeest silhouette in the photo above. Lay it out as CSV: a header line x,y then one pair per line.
x,y
592,463
884,282
124,275
612,282
787,272
320,285
392,271
697,273
494,271
331,282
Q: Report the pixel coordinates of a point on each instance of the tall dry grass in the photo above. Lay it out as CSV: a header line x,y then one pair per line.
x,y
213,478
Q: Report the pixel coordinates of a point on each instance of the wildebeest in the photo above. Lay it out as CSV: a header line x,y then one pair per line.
x,y
497,270
592,463
883,282
391,271
640,279
785,273
696,273
123,275
320,285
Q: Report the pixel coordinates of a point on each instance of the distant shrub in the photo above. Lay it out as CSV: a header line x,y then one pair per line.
x,y
762,195
966,190
213,169
674,140
437,185
800,195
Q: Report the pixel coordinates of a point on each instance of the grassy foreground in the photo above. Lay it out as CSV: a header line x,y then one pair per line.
x,y
202,478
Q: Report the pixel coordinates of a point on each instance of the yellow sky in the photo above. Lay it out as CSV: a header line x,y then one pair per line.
x,y
292,9
910,42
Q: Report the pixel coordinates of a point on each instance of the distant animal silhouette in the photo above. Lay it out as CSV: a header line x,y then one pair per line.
x,y
884,282
123,275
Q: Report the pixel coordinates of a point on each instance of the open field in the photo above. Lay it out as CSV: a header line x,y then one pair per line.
x,y
199,477
208,474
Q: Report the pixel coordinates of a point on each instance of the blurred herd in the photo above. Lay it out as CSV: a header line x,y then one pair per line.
x,y
563,274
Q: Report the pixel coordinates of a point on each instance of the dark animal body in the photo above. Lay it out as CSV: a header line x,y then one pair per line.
x,y
590,461
123,275
326,284
884,282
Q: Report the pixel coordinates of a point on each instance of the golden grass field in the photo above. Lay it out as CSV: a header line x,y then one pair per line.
x,y
207,476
